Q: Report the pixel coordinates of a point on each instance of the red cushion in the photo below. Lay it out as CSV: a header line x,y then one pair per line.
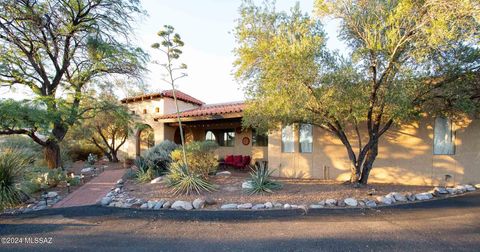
x,y
229,159
237,160
246,160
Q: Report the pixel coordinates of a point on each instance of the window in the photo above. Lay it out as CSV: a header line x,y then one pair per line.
x,y
157,110
224,137
209,136
144,111
305,138
259,139
133,112
443,137
287,139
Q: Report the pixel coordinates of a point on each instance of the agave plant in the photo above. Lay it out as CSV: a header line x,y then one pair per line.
x,y
183,181
12,164
260,181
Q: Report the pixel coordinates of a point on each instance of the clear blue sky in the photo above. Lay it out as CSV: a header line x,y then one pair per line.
x,y
206,28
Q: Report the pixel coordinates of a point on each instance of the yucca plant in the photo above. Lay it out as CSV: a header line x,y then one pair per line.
x,y
12,164
261,182
183,181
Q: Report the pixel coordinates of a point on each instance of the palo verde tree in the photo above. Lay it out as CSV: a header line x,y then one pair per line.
x,y
171,46
403,58
56,48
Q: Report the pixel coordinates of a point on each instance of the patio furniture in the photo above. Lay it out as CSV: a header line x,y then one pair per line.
x,y
237,161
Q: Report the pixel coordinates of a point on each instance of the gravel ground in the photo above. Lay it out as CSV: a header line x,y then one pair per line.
x,y
297,191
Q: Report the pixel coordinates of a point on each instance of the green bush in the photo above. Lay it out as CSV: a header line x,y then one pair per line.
x,y
261,182
184,181
13,162
144,173
200,157
158,157
27,146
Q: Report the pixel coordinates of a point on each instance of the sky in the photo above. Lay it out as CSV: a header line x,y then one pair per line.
x,y
206,28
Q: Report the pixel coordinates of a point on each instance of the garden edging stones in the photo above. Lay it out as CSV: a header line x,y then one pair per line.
x,y
119,198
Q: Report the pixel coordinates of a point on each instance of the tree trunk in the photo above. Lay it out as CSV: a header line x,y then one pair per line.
x,y
52,154
368,165
114,157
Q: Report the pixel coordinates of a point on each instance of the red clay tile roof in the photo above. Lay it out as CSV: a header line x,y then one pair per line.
x,y
209,109
166,93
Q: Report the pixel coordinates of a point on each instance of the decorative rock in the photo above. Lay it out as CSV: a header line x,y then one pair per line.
x,y
384,200
287,206
223,173
210,201
182,205
156,180
399,197
27,210
258,206
38,208
370,203
372,192
105,201
159,204
52,194
321,203
277,205
198,203
351,202
410,196
167,205
314,206
440,190
144,206
361,203
247,185
110,194
151,204
229,206
331,202
117,190
341,203
294,206
423,196
120,181
452,190
391,197
127,205
460,189
470,188
268,205
86,170
477,186
245,206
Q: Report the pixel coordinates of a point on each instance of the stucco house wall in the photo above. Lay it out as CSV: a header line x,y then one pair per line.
x,y
405,156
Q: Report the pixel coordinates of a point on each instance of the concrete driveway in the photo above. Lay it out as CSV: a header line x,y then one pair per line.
x,y
444,225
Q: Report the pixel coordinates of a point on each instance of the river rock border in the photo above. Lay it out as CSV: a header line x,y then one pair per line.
x,y
118,197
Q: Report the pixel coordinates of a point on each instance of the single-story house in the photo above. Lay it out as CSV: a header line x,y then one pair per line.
x,y
429,152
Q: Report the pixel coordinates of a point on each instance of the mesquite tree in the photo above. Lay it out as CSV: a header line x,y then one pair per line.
x,y
56,48
404,58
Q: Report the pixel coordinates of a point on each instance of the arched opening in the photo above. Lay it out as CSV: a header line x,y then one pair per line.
x,y
187,134
145,138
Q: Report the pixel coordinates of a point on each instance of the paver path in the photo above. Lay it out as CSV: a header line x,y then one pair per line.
x,y
92,191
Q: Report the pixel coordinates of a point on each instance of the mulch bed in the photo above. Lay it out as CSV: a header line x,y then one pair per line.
x,y
296,191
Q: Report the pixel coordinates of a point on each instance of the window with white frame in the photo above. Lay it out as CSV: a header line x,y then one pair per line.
x,y
305,138
443,137
287,139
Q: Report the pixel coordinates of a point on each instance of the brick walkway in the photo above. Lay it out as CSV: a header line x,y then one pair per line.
x,y
93,191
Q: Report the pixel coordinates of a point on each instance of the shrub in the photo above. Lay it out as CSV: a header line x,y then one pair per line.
x,y
184,181
12,164
158,157
260,181
144,173
200,157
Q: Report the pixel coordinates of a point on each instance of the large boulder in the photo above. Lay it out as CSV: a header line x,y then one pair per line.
x,y
398,196
269,205
351,202
182,205
159,204
198,203
331,202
